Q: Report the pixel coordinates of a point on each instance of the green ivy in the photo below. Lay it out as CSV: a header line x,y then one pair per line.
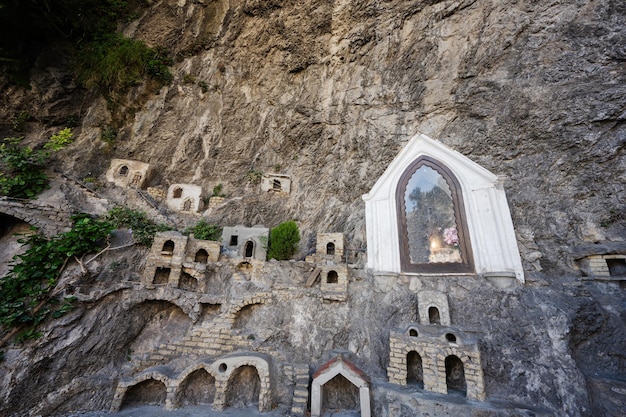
x,y
22,168
205,231
26,290
143,229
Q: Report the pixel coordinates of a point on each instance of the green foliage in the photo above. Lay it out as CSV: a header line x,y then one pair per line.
x,y
21,170
108,134
19,121
26,290
254,177
203,230
60,140
217,191
116,63
284,240
143,229
203,86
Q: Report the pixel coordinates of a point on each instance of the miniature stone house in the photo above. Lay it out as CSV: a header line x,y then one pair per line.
x,y
606,266
202,251
328,247
436,358
433,308
184,197
340,367
165,260
471,233
334,282
172,252
127,173
276,183
246,242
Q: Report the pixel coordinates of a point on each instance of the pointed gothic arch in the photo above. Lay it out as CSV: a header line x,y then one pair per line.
x,y
431,220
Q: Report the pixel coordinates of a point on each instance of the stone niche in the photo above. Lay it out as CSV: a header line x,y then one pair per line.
x,y
328,247
334,282
184,197
127,173
335,378
246,242
433,308
276,183
436,358
475,237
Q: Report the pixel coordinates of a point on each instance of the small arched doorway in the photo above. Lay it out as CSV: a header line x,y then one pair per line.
x,y
123,171
244,387
202,256
187,204
168,248
414,369
433,315
148,392
198,388
330,248
249,249
332,277
455,376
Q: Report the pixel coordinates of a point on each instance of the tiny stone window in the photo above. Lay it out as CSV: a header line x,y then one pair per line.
x,y
234,240
332,277
178,192
249,249
168,248
450,338
202,256
432,226
617,267
276,186
187,204
413,333
433,315
330,248
223,367
123,171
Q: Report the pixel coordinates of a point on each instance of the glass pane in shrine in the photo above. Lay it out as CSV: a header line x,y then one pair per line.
x,y
431,224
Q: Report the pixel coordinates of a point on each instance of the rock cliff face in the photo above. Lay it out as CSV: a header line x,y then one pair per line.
x,y
328,92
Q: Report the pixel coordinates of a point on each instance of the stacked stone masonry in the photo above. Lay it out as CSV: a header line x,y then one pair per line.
x,y
434,344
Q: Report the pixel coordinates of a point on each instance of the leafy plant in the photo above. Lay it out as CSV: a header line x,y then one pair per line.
x,y
217,191
203,230
108,134
28,289
116,63
284,240
60,140
142,228
203,86
254,177
21,170
19,121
